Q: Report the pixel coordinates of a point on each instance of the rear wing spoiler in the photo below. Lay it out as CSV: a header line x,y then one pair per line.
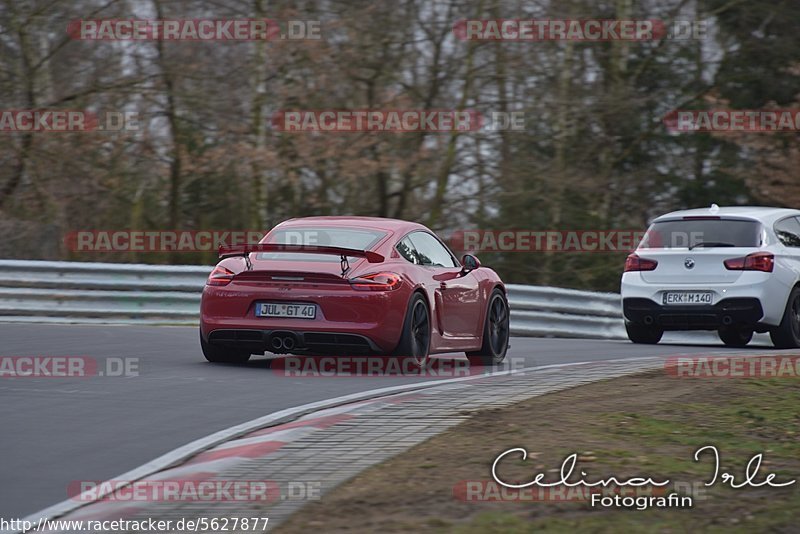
x,y
229,251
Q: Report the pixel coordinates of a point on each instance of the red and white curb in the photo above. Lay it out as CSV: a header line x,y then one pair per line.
x,y
210,463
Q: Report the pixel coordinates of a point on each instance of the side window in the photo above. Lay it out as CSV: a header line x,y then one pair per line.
x,y
406,249
788,231
431,251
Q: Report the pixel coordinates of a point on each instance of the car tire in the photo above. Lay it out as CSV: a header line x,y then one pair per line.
x,y
647,335
787,334
735,337
415,340
216,354
496,331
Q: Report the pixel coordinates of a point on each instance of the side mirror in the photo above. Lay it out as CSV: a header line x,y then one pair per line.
x,y
469,263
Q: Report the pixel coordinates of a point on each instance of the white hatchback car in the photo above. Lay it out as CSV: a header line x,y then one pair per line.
x,y
735,270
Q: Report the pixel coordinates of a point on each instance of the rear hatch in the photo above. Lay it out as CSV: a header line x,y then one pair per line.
x,y
692,250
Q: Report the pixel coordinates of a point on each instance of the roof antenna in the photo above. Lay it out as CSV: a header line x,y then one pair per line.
x,y
713,209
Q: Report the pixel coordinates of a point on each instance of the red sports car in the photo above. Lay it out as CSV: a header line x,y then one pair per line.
x,y
352,285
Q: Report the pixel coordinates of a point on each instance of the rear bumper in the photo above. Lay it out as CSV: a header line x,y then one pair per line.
x,y
727,312
346,321
281,341
770,290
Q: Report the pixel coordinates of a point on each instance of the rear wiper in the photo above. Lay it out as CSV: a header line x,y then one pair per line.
x,y
711,244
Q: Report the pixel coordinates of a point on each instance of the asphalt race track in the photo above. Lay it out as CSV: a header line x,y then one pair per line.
x,y
58,430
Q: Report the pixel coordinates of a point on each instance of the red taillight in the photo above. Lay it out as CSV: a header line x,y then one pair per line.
x,y
634,263
757,261
220,276
377,282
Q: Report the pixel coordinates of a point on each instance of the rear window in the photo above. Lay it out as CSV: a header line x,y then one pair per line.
x,y
356,238
707,233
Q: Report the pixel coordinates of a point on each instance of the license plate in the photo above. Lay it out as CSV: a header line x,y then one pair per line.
x,y
282,309
687,298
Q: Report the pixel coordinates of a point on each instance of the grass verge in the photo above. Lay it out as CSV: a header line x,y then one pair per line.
x,y
647,425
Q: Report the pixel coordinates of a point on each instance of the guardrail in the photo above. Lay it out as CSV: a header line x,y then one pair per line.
x,y
555,312
73,292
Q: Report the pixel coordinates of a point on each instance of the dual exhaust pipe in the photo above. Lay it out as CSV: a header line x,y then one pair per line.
x,y
282,342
